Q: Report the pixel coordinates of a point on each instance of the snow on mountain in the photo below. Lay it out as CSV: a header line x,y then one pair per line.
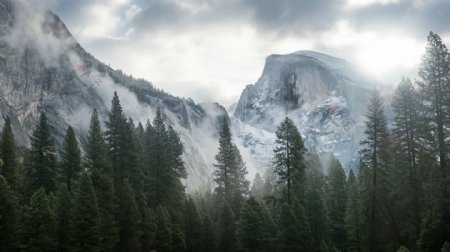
x,y
325,96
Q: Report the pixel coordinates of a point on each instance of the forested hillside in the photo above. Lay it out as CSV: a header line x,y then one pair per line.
x,y
124,192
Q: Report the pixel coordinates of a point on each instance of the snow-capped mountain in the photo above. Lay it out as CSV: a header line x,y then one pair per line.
x,y
43,68
325,96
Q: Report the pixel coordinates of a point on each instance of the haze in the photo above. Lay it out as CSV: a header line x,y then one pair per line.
x,y
209,50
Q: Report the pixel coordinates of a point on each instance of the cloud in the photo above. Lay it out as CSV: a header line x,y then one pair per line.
x,y
209,49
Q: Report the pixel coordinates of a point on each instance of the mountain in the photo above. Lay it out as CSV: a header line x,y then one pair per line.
x,y
43,69
325,96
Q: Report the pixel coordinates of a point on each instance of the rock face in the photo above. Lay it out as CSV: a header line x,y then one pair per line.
x,y
323,95
43,69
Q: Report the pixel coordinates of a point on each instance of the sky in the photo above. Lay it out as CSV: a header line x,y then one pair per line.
x,y
209,50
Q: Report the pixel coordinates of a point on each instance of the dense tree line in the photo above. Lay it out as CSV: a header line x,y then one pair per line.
x,y
125,191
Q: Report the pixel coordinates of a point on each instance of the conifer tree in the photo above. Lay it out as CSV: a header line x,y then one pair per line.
x,y
252,230
409,146
336,203
70,164
63,208
288,161
434,93
375,159
207,237
98,165
9,208
41,170
293,230
226,227
178,238
86,217
193,225
128,218
314,201
230,171
37,229
8,155
352,214
163,238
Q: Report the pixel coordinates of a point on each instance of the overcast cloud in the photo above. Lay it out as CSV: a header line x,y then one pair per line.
x,y
210,49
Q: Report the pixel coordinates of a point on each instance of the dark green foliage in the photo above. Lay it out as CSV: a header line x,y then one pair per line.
x,y
336,203
252,229
192,226
9,208
288,161
314,201
41,169
353,214
98,165
375,159
163,165
63,208
409,146
434,91
8,156
70,164
226,229
230,171
37,230
178,239
128,218
86,219
163,238
293,229
207,237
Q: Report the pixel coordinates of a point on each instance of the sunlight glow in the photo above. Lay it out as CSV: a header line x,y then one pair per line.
x,y
382,55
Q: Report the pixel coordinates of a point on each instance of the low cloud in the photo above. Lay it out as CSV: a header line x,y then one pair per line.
x,y
220,46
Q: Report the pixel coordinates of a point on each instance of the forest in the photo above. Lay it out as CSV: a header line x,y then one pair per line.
x,y
124,191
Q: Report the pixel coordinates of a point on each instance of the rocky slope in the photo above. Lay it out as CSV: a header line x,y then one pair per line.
x,y
43,69
324,96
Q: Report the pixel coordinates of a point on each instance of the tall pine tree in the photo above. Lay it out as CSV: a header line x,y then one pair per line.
x,y
41,170
288,161
70,164
8,155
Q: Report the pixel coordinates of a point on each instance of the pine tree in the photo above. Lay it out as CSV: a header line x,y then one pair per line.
x,y
208,241
86,217
41,170
375,158
336,203
8,217
230,171
63,213
9,166
97,163
257,190
252,230
353,214
37,229
178,239
193,225
128,218
70,164
226,228
434,93
163,166
288,161
293,232
314,200
163,238
117,139
408,145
